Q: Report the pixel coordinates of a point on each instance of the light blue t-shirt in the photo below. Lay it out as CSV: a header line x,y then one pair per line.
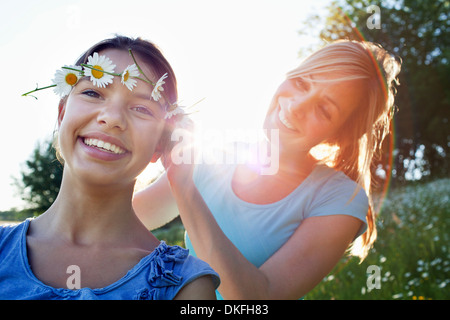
x,y
158,276
259,230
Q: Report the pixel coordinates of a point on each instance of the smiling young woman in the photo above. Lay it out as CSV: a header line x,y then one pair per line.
x,y
109,128
128,120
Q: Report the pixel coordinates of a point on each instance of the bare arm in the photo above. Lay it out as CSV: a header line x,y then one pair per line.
x,y
155,205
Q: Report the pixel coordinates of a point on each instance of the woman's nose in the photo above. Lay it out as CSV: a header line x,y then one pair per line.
x,y
299,106
112,116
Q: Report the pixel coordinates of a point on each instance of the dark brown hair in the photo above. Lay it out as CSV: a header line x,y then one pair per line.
x,y
148,52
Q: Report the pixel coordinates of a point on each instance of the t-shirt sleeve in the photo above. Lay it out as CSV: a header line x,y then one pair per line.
x,y
336,197
192,269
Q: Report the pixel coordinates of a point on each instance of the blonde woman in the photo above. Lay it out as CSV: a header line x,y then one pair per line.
x,y
276,236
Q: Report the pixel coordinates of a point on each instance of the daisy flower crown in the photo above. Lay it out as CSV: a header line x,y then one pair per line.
x,y
100,70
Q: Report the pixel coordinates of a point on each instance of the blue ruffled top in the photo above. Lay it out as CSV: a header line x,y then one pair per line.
x,y
158,276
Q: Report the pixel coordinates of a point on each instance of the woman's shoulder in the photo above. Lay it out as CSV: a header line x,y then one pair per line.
x,y
335,193
327,179
12,230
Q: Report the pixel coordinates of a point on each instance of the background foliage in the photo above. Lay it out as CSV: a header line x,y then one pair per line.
x,y
417,32
40,179
411,250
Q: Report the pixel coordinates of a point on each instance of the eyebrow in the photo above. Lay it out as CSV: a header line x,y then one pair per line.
x,y
142,96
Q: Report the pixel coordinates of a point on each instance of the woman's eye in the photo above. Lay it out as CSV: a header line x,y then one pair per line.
x,y
324,111
91,93
143,110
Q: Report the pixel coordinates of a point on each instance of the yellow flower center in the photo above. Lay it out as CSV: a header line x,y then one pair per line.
x,y
95,73
71,79
126,76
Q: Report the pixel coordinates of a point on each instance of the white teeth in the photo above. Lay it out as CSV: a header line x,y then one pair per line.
x,y
284,121
104,145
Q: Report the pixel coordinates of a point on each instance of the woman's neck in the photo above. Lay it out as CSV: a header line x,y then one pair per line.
x,y
89,214
254,187
292,163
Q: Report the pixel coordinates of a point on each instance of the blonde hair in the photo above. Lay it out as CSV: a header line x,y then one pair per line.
x,y
355,148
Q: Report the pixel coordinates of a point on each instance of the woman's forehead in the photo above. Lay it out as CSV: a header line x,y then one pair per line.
x,y
122,59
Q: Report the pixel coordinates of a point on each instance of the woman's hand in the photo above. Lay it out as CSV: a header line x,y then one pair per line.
x,y
178,159
156,205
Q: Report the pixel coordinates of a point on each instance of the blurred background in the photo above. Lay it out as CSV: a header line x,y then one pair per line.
x,y
233,54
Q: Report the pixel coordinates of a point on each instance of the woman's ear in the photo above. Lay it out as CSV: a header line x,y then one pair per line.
x,y
159,150
156,156
61,110
164,144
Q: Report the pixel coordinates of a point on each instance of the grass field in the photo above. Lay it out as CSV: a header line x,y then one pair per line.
x,y
411,252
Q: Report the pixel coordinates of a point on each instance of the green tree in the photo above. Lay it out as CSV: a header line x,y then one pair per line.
x,y
40,181
416,31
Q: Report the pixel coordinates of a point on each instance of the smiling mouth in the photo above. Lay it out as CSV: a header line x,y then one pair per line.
x,y
284,121
104,146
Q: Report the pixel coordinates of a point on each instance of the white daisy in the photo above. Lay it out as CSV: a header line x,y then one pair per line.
x,y
65,79
127,76
100,63
156,93
177,110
